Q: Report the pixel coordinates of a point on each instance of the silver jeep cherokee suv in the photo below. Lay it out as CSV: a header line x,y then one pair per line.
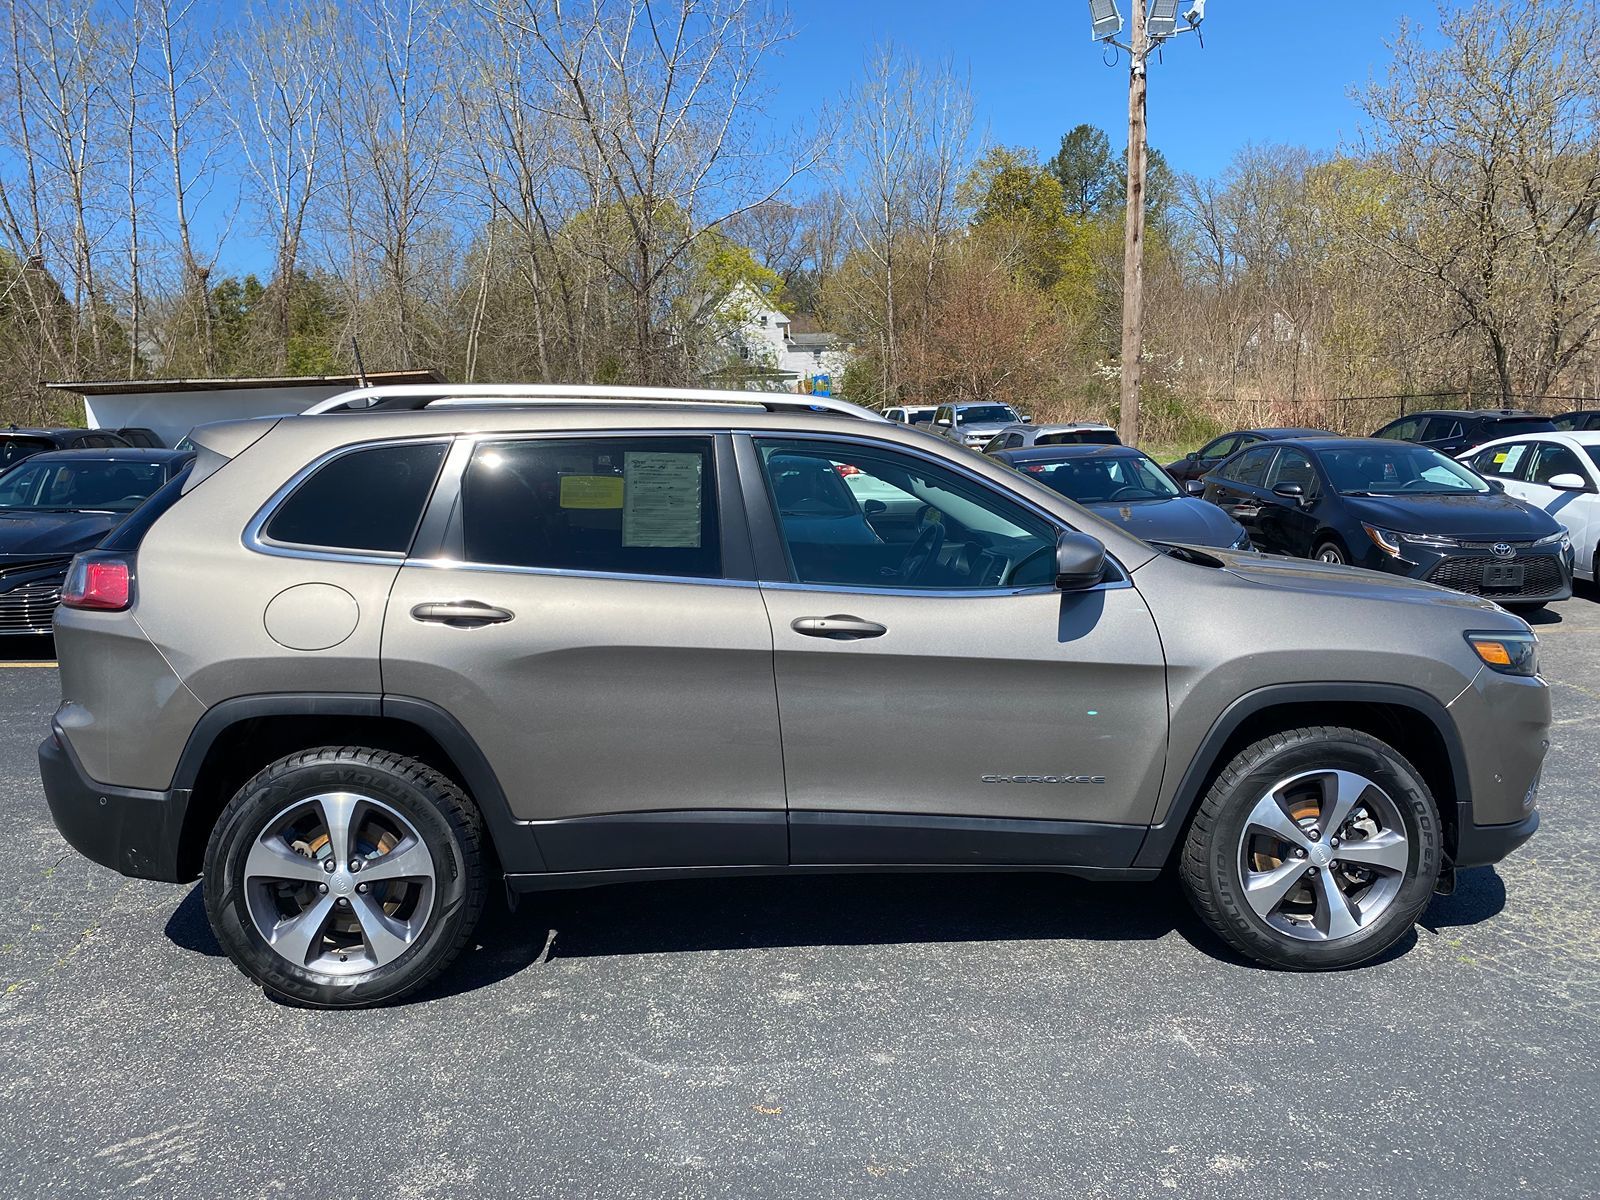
x,y
357,665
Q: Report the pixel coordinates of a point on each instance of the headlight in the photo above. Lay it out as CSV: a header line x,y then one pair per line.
x,y
1392,542
1561,536
1508,653
1242,542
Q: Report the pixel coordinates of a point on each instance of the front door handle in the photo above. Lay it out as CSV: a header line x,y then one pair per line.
x,y
839,628
461,612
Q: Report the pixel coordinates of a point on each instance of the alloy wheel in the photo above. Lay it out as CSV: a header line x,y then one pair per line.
x,y
1323,855
339,883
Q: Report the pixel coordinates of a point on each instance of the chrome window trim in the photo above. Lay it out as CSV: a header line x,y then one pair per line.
x,y
1059,524
455,564
254,539
1043,589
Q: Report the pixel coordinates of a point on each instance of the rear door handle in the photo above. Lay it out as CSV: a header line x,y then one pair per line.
x,y
461,612
840,627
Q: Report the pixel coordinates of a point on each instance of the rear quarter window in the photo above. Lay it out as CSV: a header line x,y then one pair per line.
x,y
369,499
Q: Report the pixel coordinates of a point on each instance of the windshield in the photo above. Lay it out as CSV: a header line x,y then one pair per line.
x,y
972,414
81,485
924,417
1511,426
1104,480
1402,469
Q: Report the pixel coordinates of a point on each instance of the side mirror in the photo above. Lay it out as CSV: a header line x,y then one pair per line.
x,y
1080,561
1192,456
1027,419
1496,484
942,422
873,508
1291,491
1568,481
1195,487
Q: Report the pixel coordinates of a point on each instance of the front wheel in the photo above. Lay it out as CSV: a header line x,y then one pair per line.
x,y
1314,849
1331,552
341,877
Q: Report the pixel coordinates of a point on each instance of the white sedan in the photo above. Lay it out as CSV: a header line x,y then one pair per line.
x,y
1559,472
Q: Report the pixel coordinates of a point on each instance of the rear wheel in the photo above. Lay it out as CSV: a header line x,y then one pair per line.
x,y
1314,849
342,876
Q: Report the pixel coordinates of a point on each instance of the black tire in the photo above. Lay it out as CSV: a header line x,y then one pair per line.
x,y
1330,551
1212,869
442,818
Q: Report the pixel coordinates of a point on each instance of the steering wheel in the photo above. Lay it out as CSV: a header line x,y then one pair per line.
x,y
923,551
1138,493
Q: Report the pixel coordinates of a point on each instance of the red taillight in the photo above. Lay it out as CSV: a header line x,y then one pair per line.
x,y
846,469
97,582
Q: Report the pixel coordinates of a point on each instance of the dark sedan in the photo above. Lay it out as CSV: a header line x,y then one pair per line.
x,y
1581,420
1121,484
1396,507
53,505
1197,462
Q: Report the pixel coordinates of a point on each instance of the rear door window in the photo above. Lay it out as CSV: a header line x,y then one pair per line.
x,y
631,506
1250,468
1505,462
365,500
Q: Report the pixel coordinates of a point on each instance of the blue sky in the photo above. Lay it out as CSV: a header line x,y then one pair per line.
x,y
1269,72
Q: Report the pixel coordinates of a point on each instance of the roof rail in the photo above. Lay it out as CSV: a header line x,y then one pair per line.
x,y
411,397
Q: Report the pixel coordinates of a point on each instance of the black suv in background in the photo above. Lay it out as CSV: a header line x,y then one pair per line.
x,y
18,444
1400,508
1197,462
1455,431
1582,420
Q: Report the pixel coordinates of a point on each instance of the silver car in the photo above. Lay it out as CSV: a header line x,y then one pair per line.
x,y
973,425
358,667
1066,433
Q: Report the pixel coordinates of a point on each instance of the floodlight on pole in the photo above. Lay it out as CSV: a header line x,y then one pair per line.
x,y
1163,21
1105,19
1154,22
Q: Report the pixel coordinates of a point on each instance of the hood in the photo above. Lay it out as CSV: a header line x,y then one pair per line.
x,y
1178,519
989,427
1472,518
52,534
1309,575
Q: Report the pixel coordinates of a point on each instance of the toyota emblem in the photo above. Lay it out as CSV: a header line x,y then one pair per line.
x,y
1503,550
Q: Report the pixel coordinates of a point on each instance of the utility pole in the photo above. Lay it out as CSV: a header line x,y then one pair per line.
x,y
1133,232
1154,22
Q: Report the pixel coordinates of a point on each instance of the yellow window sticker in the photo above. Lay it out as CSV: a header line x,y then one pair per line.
x,y
591,491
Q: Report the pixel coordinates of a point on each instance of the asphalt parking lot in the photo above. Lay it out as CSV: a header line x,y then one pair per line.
x,y
895,1036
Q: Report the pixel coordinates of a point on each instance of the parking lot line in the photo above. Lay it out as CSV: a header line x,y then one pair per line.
x,y
4,665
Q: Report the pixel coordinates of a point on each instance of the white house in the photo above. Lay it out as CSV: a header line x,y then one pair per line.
x,y
172,407
766,340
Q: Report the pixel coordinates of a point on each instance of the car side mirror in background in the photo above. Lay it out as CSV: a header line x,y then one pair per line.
x,y
943,422
1290,491
1194,487
1496,484
1027,418
1192,456
1568,481
1080,561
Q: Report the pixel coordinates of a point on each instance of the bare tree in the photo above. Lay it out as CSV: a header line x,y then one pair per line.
x,y
279,101
1492,140
661,108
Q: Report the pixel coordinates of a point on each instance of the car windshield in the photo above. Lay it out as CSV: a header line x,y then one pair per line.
x,y
1127,477
1395,470
1511,426
924,417
95,485
972,414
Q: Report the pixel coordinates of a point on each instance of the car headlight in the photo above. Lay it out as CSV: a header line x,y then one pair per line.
x,y
1393,542
1561,536
1507,653
1242,542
